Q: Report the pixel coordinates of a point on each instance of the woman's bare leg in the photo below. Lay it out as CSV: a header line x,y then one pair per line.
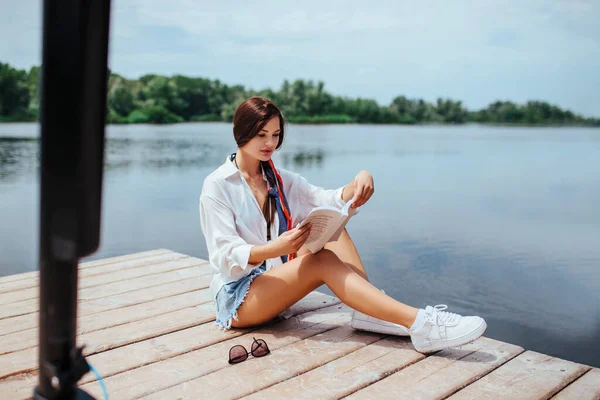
x,y
346,251
283,286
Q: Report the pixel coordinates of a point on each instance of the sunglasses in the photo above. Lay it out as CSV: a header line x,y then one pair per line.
x,y
238,353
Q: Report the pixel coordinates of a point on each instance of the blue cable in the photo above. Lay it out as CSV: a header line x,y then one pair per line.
x,y
99,378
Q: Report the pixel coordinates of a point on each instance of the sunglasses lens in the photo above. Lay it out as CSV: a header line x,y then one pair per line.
x,y
237,354
260,348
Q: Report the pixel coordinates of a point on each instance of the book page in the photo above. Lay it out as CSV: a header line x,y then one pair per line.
x,y
337,233
324,222
347,213
327,225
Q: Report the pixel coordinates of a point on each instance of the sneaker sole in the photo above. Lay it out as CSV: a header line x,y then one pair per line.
x,y
471,337
366,326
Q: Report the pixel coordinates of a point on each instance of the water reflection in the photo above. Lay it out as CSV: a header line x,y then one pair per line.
x,y
157,154
303,158
18,157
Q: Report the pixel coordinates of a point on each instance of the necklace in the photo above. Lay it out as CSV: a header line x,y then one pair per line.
x,y
238,167
254,187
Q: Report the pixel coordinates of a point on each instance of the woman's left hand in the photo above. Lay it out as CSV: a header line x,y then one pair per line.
x,y
364,187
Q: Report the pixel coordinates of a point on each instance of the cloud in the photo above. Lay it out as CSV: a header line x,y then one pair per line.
x,y
474,51
21,32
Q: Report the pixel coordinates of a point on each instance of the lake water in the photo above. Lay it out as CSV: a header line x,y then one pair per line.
x,y
499,222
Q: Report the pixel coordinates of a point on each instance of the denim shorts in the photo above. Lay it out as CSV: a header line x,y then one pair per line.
x,y
232,295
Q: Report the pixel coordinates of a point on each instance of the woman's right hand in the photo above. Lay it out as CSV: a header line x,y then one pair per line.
x,y
290,241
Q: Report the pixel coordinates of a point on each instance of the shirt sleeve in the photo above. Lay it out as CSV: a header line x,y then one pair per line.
x,y
318,196
226,249
310,196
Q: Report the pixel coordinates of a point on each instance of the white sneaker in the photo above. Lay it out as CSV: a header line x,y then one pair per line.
x,y
367,323
443,329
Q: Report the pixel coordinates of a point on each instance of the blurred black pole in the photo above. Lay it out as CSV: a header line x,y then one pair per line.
x,y
73,110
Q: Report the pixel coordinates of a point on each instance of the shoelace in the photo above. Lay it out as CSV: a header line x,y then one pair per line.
x,y
442,317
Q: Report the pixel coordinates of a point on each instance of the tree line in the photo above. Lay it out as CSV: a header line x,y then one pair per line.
x,y
162,100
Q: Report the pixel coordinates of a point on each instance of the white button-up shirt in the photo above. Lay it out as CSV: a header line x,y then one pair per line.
x,y
232,220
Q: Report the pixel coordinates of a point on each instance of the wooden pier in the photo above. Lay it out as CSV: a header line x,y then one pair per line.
x,y
147,321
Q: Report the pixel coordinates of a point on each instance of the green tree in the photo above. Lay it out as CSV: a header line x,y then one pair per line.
x,y
120,99
14,93
33,86
195,94
318,101
451,111
160,99
160,115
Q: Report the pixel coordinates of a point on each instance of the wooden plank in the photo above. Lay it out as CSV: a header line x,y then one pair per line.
x,y
19,285
200,272
348,374
28,309
258,373
529,376
132,264
18,362
124,257
19,308
89,323
88,264
149,351
587,387
153,350
169,372
113,277
19,277
18,386
112,289
146,270
110,338
442,374
88,272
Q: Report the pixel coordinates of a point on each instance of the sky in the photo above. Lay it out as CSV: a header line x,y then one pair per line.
x,y
474,51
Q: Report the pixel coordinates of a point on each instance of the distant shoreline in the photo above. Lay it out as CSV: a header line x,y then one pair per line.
x,y
424,124
158,99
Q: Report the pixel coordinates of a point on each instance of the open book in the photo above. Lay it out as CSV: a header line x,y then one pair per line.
x,y
327,225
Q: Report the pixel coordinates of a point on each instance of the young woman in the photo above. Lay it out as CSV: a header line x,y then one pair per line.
x,y
249,212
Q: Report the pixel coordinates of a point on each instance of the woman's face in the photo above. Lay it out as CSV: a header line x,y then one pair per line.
x,y
264,143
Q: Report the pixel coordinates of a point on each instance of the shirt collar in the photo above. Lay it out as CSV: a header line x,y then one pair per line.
x,y
229,169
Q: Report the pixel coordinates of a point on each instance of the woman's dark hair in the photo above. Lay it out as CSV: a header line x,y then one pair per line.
x,y
249,119
251,116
